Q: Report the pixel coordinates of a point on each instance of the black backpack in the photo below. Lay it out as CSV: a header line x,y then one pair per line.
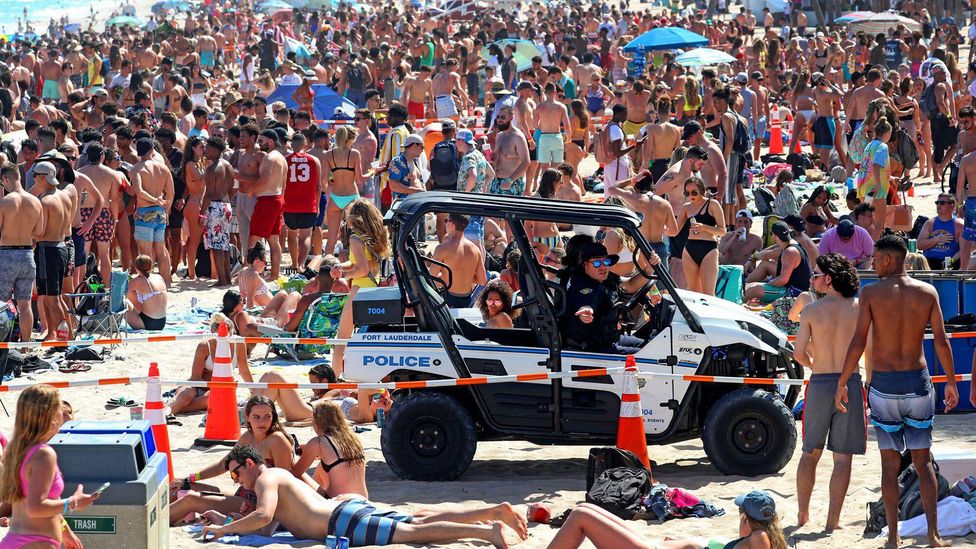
x,y
602,459
621,491
927,102
906,149
444,166
355,78
909,497
741,144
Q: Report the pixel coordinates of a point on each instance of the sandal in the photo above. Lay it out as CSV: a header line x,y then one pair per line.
x,y
73,367
120,402
172,420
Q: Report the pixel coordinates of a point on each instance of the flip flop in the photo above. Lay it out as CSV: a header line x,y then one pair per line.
x,y
120,402
172,420
73,367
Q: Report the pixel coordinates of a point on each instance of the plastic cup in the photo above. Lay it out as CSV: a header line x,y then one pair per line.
x,y
538,512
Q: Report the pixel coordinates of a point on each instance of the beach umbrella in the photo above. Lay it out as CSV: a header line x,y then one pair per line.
x,y
881,22
666,38
525,50
703,57
169,5
853,16
301,50
298,4
126,21
272,6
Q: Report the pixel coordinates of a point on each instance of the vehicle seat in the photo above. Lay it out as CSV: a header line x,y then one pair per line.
x,y
515,337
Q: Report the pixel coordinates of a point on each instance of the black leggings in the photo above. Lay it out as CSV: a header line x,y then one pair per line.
x,y
698,249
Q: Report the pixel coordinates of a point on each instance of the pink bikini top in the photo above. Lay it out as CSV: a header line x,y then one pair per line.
x,y
56,487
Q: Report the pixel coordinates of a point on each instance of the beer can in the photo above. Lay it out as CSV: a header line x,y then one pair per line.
x,y
331,542
379,417
343,543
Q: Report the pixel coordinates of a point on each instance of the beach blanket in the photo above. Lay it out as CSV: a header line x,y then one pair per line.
x,y
253,540
956,518
181,320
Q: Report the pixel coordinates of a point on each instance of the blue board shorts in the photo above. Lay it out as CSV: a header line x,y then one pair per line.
x,y
902,409
207,59
150,224
969,219
364,524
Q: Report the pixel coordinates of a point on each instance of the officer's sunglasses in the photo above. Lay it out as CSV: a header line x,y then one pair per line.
x,y
605,262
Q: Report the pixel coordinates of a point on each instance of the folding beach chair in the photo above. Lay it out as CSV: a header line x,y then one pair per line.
x,y
320,320
101,312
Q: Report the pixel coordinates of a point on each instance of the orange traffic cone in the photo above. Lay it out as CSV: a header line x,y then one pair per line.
x,y
630,428
155,415
223,424
775,131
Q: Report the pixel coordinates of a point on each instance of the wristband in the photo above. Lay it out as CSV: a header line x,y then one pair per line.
x,y
197,477
67,502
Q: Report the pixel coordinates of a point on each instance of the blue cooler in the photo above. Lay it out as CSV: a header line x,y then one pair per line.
x,y
968,294
950,291
962,357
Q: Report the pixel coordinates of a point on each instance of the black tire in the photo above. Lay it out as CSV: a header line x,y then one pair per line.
x,y
749,432
428,436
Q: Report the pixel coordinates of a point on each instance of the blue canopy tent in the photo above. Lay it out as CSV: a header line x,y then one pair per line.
x,y
666,38
326,101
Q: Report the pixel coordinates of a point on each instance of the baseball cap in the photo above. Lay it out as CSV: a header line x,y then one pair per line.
x,y
45,168
741,78
448,124
757,505
466,136
270,134
744,213
143,146
100,92
781,230
596,249
690,129
845,229
756,75
413,139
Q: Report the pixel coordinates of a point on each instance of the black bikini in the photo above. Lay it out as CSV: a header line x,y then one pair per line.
x,y
698,249
335,463
337,168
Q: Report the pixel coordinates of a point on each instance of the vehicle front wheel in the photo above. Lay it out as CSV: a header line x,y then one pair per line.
x,y
749,432
428,436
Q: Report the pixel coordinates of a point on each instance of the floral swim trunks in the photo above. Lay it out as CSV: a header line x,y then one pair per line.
x,y
507,186
216,235
104,228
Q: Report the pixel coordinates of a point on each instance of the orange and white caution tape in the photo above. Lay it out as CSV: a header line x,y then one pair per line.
x,y
170,338
76,383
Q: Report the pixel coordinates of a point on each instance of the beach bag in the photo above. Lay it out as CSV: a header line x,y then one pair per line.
x,y
602,459
927,102
899,217
444,166
764,200
800,163
603,147
621,491
90,304
728,286
742,143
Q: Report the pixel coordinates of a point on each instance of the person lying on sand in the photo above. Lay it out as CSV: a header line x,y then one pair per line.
x,y
283,499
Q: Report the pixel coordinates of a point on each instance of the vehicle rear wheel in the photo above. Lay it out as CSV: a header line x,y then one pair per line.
x,y
428,436
749,432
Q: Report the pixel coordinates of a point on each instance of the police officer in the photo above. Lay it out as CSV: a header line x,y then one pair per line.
x,y
591,321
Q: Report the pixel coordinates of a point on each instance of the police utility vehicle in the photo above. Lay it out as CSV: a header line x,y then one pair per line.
x,y
408,333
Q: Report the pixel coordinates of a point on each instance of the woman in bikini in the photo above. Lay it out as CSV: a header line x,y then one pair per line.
x,y
194,166
342,460
266,435
146,298
344,165
701,218
495,304
545,235
369,245
689,102
37,519
305,97
579,126
804,107
254,289
816,212
199,85
195,399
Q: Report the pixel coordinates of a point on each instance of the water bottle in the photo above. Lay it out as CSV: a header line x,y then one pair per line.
x,y
379,417
62,332
850,184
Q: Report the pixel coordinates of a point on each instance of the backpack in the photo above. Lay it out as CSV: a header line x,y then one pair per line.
x,y
906,149
444,166
909,497
88,305
621,491
603,146
602,459
729,283
764,200
742,143
927,102
355,78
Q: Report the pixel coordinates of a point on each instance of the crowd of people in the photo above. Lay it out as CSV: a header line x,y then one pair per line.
x,y
172,155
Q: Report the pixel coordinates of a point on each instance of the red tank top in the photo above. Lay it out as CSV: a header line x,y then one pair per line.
x,y
302,184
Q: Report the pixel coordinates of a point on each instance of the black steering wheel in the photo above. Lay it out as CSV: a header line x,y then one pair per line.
x,y
639,295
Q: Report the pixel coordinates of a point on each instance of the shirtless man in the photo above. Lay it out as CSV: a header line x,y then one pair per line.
x,y
715,171
83,189
320,146
826,328
207,48
443,85
266,188
51,73
248,164
283,498
51,254
20,222
895,311
637,99
145,57
78,64
671,184
152,183
658,215
583,72
551,117
857,107
417,94
524,121
215,210
824,129
465,260
511,159
108,182
663,138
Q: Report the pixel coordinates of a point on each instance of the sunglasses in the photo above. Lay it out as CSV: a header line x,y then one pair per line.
x,y
943,203
494,302
605,262
234,475
816,275
692,193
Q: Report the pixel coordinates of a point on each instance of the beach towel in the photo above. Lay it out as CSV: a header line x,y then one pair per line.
x,y
252,540
956,518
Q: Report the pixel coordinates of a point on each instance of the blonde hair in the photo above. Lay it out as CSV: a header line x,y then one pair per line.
x,y
220,318
915,261
692,95
38,408
772,529
328,417
344,136
366,223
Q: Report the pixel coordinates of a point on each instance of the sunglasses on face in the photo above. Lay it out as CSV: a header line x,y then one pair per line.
x,y
605,262
816,275
494,302
234,475
943,203
692,193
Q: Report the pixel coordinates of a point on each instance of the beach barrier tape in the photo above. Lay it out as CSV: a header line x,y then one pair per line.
x,y
431,383
169,338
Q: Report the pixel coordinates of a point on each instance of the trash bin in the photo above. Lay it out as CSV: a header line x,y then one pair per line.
x,y
134,511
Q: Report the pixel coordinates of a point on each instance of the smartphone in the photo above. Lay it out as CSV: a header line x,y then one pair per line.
x,y
101,488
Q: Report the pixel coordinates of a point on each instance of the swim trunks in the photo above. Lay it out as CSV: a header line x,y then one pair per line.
x,y
207,59
663,250
632,128
824,132
416,110
216,233
51,259
266,219
17,272
445,106
475,231
551,148
298,221
50,90
506,186
824,423
658,168
969,219
150,224
364,524
457,301
104,227
902,409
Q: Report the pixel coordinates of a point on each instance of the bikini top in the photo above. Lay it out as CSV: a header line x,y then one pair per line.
x,y
704,217
337,462
57,485
337,168
144,297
